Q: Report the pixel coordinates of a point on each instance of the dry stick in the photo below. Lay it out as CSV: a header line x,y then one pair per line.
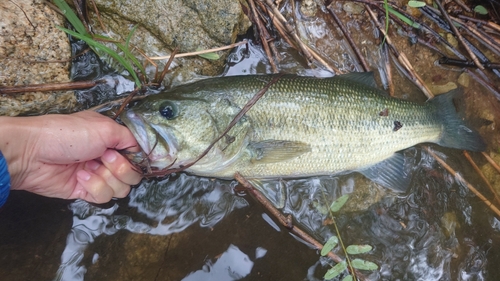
x,y
458,35
462,4
308,52
166,67
115,103
262,34
347,35
98,16
379,5
202,52
492,25
278,25
270,40
388,70
492,162
466,154
235,120
482,37
471,188
401,57
287,222
10,90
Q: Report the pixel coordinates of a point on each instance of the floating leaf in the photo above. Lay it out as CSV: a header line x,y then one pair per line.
x,y
358,249
348,278
329,245
363,265
337,204
336,270
416,4
480,10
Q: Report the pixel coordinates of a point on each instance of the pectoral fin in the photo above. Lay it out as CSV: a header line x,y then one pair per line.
x,y
272,151
391,173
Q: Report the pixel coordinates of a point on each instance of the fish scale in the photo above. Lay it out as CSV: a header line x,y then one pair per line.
x,y
301,126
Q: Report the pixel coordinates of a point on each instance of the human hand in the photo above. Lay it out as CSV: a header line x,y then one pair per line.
x,y
68,156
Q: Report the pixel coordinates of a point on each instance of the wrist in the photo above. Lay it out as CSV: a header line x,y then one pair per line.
x,y
16,134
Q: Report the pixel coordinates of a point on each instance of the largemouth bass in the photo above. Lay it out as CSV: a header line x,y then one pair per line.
x,y
302,126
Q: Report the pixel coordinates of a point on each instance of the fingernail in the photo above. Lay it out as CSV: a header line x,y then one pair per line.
x,y
83,175
92,165
109,156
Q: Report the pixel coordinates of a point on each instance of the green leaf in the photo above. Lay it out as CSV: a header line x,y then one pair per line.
x,y
416,4
96,45
210,56
329,245
404,18
480,10
348,278
71,17
336,270
358,249
132,31
363,265
337,204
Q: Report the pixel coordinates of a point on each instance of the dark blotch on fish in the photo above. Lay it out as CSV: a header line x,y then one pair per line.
x,y
397,126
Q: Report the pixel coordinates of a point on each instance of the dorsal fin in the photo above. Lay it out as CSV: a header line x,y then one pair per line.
x,y
365,78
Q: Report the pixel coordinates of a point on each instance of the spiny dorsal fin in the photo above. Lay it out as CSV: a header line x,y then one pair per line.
x,y
272,151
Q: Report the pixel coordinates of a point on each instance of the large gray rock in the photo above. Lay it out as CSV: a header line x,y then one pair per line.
x,y
163,25
33,51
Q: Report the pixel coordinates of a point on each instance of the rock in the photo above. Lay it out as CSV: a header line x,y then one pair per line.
x,y
441,89
164,25
463,79
353,8
33,51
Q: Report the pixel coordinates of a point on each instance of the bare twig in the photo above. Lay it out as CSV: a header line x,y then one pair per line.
x,y
306,50
471,188
401,57
202,52
10,90
159,79
262,34
478,171
462,4
347,35
458,34
115,103
287,222
491,161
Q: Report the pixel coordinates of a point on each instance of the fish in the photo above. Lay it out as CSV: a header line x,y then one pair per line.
x,y
300,127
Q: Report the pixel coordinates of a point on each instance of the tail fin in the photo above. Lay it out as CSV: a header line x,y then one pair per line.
x,y
455,133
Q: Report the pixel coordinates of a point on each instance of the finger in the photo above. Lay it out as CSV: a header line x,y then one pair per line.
x,y
97,189
120,167
120,189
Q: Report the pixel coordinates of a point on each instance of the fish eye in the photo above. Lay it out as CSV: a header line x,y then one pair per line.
x,y
168,110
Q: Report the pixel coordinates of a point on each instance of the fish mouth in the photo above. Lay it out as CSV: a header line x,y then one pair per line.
x,y
156,141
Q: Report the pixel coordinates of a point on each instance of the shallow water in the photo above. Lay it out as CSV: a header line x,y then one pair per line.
x,y
192,228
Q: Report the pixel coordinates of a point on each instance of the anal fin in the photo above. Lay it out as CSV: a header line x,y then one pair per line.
x,y
390,173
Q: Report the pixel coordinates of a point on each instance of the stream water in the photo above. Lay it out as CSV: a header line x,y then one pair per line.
x,y
191,228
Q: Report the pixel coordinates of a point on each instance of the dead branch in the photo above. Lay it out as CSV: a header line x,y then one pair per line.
x,y
478,171
459,178
49,87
